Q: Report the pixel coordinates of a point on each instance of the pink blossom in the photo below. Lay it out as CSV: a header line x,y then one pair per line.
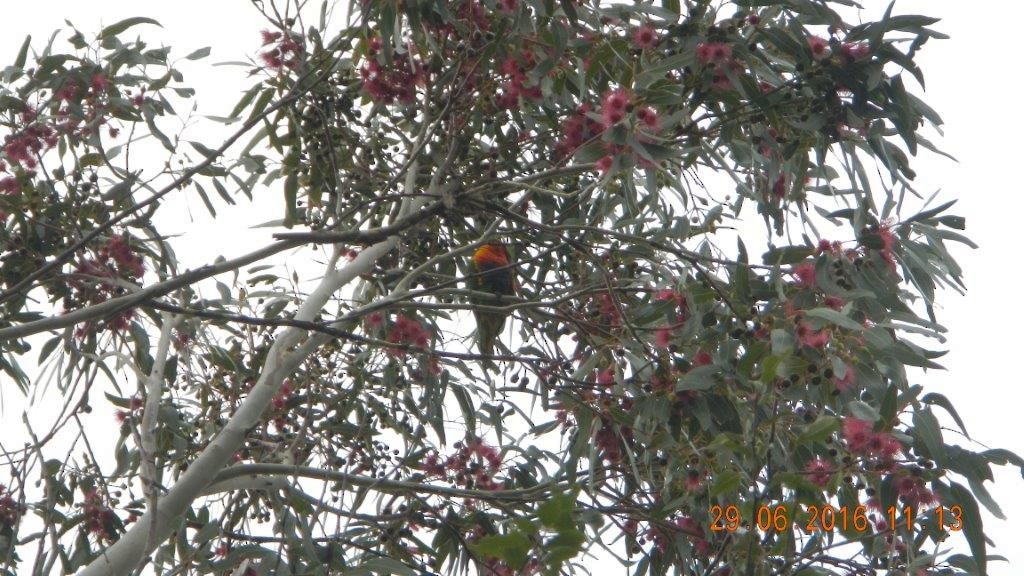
x,y
270,37
913,492
649,118
406,331
857,434
396,82
374,321
606,377
827,246
805,276
69,91
834,302
779,187
614,106
508,98
9,185
818,46
693,481
670,295
99,83
507,6
630,527
713,52
853,51
819,471
810,337
702,358
663,337
883,445
604,165
888,243
645,38
847,381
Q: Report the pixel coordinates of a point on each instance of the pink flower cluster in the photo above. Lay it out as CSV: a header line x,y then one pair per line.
x,y
409,332
609,437
718,56
649,119
713,53
99,519
688,527
280,400
819,471
133,406
10,510
396,82
861,440
912,492
888,244
280,50
805,275
819,47
577,129
515,68
91,280
811,338
644,38
853,51
663,337
26,144
664,334
472,466
847,381
614,106
608,311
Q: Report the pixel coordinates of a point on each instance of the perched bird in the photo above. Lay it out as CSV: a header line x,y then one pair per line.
x,y
494,275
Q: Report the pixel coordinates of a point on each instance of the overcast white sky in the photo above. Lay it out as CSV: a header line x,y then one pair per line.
x,y
972,82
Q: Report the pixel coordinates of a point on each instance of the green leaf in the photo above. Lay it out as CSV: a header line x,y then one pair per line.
x,y
115,29
210,154
49,347
787,255
198,54
19,62
985,498
206,199
700,378
556,513
151,123
818,430
863,411
835,317
513,548
937,399
926,429
291,195
725,482
223,192
972,527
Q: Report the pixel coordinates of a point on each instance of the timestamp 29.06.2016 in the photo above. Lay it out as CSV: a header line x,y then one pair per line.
x,y
828,518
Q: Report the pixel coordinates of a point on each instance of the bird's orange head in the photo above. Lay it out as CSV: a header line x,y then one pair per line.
x,y
492,255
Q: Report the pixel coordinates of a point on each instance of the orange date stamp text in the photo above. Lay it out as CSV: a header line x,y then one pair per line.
x,y
829,518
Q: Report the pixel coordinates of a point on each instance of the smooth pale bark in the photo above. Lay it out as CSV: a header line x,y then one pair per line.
x,y
287,352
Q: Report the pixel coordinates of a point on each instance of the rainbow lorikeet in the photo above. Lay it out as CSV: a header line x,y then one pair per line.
x,y
491,262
